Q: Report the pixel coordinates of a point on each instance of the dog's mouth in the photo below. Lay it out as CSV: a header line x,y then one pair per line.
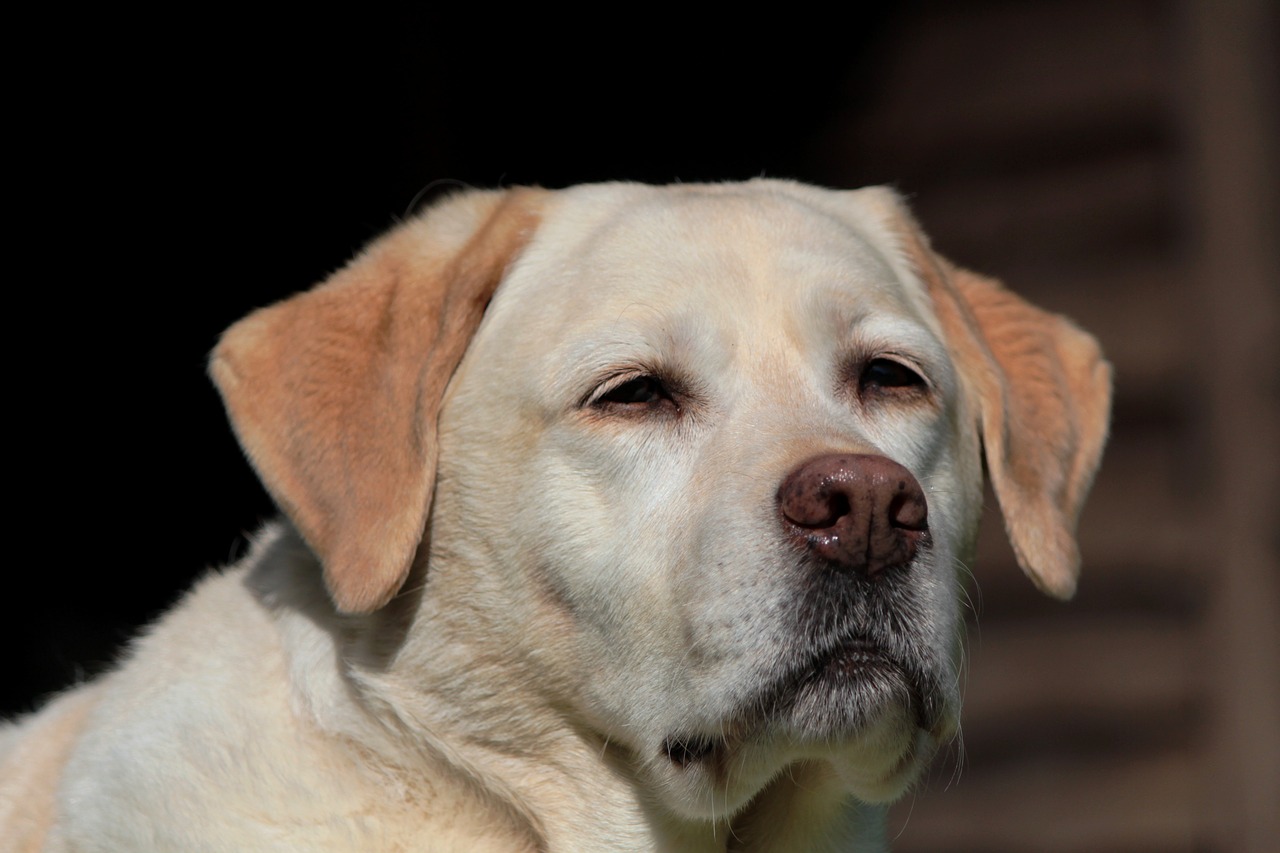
x,y
852,659
838,690
683,750
833,693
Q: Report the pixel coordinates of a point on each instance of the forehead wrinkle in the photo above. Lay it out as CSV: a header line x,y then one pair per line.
x,y
689,278
774,275
857,240
643,336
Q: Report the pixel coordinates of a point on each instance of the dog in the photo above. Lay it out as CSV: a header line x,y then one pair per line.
x,y
614,518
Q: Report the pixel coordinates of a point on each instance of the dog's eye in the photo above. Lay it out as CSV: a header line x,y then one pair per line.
x,y
885,374
641,391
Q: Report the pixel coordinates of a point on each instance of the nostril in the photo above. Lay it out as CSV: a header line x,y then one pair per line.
x,y
813,505
908,509
840,507
834,506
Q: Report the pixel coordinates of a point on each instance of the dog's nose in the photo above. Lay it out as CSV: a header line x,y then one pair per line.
x,y
864,513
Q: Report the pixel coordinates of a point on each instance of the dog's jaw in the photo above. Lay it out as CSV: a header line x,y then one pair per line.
x,y
726,777
872,704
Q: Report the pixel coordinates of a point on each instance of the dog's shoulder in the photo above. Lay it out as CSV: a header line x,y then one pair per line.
x,y
184,696
230,720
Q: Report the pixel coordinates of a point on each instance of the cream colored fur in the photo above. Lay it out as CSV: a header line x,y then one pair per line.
x,y
493,599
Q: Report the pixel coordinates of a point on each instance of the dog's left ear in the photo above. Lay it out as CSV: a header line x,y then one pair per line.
x,y
1045,396
1044,399
335,392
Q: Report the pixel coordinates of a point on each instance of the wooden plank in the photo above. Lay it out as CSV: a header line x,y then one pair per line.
x,y
1065,213
1232,124
1142,803
1046,677
968,84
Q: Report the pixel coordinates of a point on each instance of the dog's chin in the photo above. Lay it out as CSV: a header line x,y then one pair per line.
x,y
875,723
841,692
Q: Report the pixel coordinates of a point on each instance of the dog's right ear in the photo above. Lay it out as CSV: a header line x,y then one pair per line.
x,y
334,393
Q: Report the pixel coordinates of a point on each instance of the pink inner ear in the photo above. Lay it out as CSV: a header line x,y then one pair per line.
x,y
335,393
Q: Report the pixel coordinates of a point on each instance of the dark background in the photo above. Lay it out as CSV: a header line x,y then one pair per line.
x,y
195,174
1115,161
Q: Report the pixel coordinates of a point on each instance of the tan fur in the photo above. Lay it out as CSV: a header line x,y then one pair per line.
x,y
369,353
500,612
31,770
1044,425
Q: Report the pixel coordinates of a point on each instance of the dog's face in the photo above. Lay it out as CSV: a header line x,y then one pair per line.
x,y
713,459
630,417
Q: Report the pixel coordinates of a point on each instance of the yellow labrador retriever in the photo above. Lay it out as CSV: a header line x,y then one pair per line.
x,y
618,518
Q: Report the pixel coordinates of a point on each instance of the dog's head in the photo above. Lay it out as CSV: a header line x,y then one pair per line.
x,y
712,458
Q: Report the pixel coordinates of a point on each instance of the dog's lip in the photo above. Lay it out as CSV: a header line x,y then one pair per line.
x,y
842,660
837,664
686,749
844,657
854,656
851,657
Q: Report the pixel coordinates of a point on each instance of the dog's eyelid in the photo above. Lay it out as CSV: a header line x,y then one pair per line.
x,y
639,388
889,375
905,362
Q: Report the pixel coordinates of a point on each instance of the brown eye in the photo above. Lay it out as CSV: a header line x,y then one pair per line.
x,y
884,374
643,391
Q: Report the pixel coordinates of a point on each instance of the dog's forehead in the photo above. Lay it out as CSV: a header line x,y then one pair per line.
x,y
733,251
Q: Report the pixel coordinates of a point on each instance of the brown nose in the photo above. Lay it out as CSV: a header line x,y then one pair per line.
x,y
860,512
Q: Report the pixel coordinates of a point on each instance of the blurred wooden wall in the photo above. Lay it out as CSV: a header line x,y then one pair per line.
x,y
1114,161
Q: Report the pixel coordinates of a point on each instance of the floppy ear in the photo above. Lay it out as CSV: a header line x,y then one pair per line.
x,y
1044,399
334,393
